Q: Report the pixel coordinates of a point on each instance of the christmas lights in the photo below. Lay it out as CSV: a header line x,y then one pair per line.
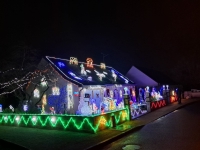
x,y
65,121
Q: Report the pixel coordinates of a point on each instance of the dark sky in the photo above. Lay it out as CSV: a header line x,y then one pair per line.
x,y
157,34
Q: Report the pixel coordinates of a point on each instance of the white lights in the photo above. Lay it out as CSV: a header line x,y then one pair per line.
x,y
55,91
34,118
17,118
53,119
5,118
36,93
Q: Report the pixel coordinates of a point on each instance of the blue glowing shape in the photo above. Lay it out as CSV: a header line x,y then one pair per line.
x,y
72,74
77,78
60,64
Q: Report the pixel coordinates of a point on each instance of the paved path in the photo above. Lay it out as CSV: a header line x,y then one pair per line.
x,y
32,138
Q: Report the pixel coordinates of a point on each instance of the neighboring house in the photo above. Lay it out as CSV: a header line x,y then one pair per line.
x,y
148,77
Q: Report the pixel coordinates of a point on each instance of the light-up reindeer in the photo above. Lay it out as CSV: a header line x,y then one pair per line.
x,y
83,70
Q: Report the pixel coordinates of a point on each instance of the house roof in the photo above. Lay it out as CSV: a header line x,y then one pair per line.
x,y
145,76
92,74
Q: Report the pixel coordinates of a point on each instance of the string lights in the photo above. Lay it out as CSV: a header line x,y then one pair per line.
x,y
66,121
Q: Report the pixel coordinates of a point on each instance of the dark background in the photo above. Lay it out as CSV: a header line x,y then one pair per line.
x,y
158,34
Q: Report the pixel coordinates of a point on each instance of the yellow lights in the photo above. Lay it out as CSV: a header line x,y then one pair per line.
x,y
173,93
102,65
103,121
124,115
89,62
73,60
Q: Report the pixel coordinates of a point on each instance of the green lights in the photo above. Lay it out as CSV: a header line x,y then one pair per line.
x,y
87,123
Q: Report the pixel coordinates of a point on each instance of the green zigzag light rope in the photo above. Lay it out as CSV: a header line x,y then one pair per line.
x,y
65,124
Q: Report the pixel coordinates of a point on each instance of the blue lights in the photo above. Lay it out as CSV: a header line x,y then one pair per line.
x,y
60,64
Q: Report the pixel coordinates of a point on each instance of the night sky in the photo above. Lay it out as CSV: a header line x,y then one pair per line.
x,y
160,34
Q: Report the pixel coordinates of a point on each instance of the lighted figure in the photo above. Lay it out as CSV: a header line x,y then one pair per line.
x,y
114,75
89,62
111,93
55,91
101,75
44,102
146,94
36,93
43,82
153,93
141,95
60,64
133,97
52,110
83,72
102,65
125,91
73,60
85,108
167,87
163,87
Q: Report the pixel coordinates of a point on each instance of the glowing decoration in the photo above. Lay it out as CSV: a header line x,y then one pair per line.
x,y
126,91
102,65
43,82
67,122
105,72
146,94
167,86
12,108
89,78
114,75
163,87
78,78
53,119
17,118
55,91
88,71
44,102
73,75
126,81
36,93
158,104
25,107
34,119
83,72
111,94
120,93
1,108
60,64
89,62
70,99
73,60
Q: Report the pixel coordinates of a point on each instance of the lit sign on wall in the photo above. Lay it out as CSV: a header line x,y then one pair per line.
x,y
73,60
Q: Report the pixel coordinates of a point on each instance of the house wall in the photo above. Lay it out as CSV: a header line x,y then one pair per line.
x,y
63,100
